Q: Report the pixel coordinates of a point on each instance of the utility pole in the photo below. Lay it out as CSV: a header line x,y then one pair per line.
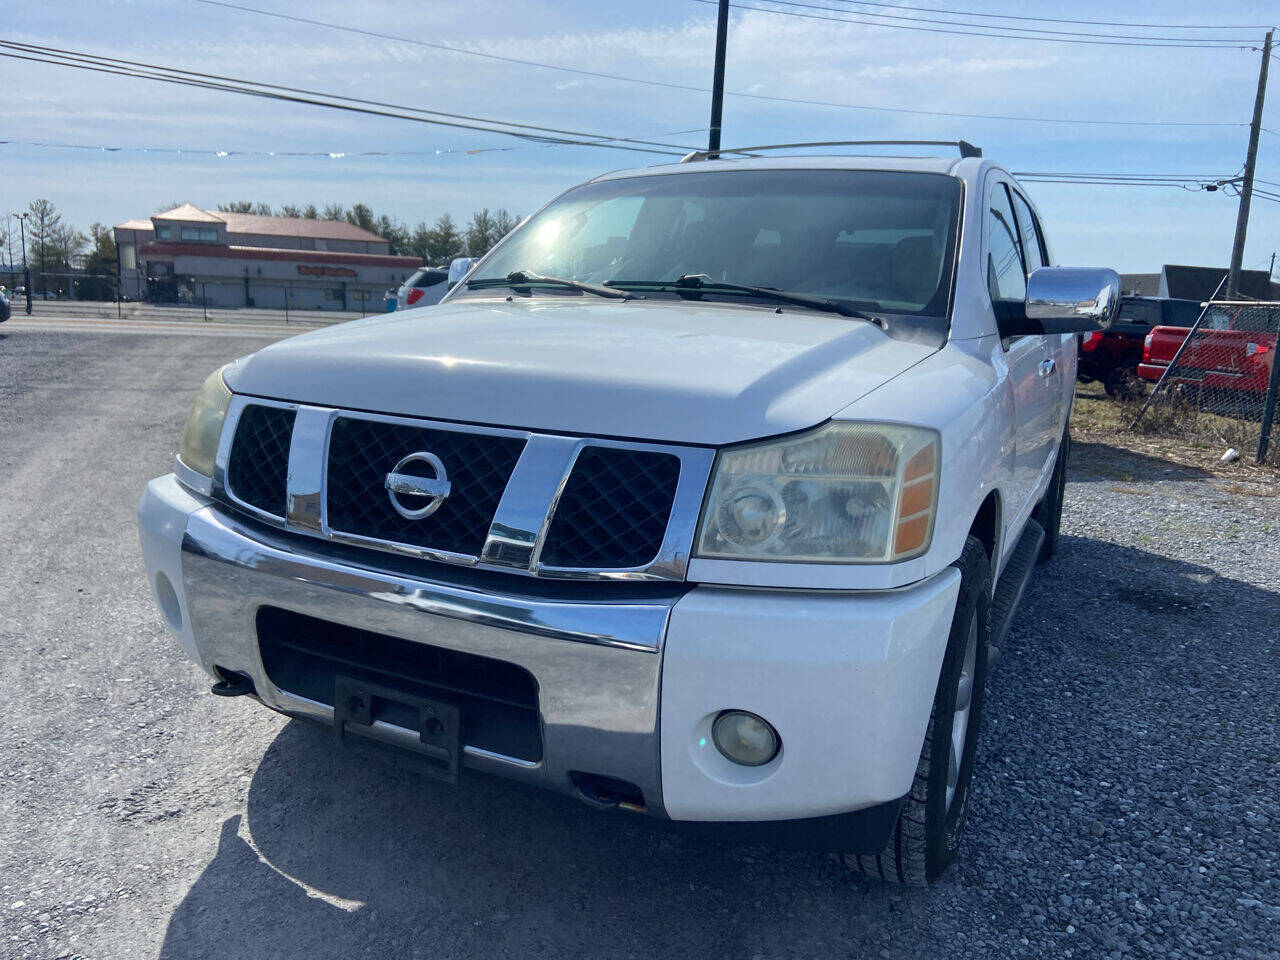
x,y
1246,188
717,82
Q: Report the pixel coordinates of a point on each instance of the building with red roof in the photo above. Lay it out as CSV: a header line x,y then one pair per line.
x,y
189,255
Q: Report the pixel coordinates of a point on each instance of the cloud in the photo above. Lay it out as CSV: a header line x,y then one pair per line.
x,y
769,55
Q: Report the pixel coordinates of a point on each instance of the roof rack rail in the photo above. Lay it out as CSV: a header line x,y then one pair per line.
x,y
966,148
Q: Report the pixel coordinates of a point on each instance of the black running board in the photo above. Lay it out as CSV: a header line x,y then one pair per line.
x,y
1013,581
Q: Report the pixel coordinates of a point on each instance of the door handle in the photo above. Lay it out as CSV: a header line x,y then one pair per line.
x,y
1047,367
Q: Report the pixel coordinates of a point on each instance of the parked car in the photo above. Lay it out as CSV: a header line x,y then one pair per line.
x,y
424,288
1229,361
5,310
1112,355
709,495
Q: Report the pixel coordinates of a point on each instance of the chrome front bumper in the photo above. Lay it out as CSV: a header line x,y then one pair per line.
x,y
626,688
596,665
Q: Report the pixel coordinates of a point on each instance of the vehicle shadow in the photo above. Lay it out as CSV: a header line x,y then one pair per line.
x,y
1100,461
351,851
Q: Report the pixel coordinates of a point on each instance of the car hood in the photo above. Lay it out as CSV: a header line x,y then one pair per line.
x,y
653,370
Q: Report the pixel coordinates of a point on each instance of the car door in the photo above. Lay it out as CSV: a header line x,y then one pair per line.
x,y
1028,358
1058,369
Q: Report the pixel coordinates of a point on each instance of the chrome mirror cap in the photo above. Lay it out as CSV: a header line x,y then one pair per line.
x,y
1073,299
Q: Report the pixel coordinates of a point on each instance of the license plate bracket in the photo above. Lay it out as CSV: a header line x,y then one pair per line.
x,y
385,714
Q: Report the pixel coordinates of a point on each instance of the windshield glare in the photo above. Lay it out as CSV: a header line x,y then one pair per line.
x,y
880,240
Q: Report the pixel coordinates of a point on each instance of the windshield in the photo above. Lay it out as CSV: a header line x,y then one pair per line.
x,y
883,241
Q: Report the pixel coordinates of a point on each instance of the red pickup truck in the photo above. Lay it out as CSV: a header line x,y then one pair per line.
x,y
1231,355
1112,356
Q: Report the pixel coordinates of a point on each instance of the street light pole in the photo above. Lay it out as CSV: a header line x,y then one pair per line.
x,y
26,271
717,82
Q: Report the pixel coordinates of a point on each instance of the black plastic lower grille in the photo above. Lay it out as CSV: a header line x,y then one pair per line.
x,y
499,701
614,509
258,469
363,452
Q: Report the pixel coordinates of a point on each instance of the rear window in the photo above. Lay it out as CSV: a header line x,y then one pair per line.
x,y
1181,313
1139,311
429,278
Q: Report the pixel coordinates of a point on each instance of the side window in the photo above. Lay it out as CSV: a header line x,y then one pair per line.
x,y
1006,275
1029,229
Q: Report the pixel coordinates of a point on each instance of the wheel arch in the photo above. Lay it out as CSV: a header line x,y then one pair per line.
x,y
986,526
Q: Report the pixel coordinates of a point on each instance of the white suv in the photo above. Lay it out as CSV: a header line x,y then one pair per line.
x,y
709,495
424,288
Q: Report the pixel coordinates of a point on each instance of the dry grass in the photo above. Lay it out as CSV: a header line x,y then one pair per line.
x,y
1176,434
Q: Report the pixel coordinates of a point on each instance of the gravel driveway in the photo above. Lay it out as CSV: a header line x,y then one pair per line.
x,y
1127,799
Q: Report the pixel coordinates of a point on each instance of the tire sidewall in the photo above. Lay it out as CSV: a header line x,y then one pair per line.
x,y
945,828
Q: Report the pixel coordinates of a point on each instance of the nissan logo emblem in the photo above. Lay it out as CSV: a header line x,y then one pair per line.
x,y
399,484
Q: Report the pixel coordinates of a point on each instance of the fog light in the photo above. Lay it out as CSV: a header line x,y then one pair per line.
x,y
745,738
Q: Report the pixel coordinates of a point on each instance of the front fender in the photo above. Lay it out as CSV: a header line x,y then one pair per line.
x,y
962,391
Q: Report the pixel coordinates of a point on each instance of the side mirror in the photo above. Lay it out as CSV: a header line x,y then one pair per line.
x,y
1063,300
458,268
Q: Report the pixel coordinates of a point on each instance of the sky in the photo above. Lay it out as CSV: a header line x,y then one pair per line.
x,y
858,65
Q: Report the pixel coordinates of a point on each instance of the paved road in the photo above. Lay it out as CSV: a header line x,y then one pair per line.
x,y
1126,801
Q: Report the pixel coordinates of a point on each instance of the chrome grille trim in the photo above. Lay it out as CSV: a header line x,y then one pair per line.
x,y
230,425
518,531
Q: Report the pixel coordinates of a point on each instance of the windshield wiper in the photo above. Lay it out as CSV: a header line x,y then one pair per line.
x,y
527,278
702,283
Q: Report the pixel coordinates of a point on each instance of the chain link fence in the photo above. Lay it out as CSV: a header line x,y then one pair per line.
x,y
1217,380
303,302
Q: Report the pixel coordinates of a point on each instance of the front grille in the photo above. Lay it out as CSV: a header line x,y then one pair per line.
x,y
614,509
258,467
499,701
362,453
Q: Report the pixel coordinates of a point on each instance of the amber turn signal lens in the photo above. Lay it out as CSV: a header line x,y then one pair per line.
x,y
920,465
916,503
916,498
911,534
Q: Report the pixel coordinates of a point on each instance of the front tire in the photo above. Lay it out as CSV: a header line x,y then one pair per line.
x,y
1122,381
931,823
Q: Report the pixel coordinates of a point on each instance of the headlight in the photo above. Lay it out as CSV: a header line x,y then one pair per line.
x,y
844,493
204,426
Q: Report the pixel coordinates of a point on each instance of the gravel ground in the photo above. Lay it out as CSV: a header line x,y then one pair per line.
x,y
1125,803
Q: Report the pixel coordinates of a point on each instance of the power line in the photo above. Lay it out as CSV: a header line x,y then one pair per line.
x,y
1214,45
321,154
1177,41
98,59
803,101
1196,181
139,70
1089,23
1139,176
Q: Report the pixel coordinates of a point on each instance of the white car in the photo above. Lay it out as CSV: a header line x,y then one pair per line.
x,y
709,494
424,288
